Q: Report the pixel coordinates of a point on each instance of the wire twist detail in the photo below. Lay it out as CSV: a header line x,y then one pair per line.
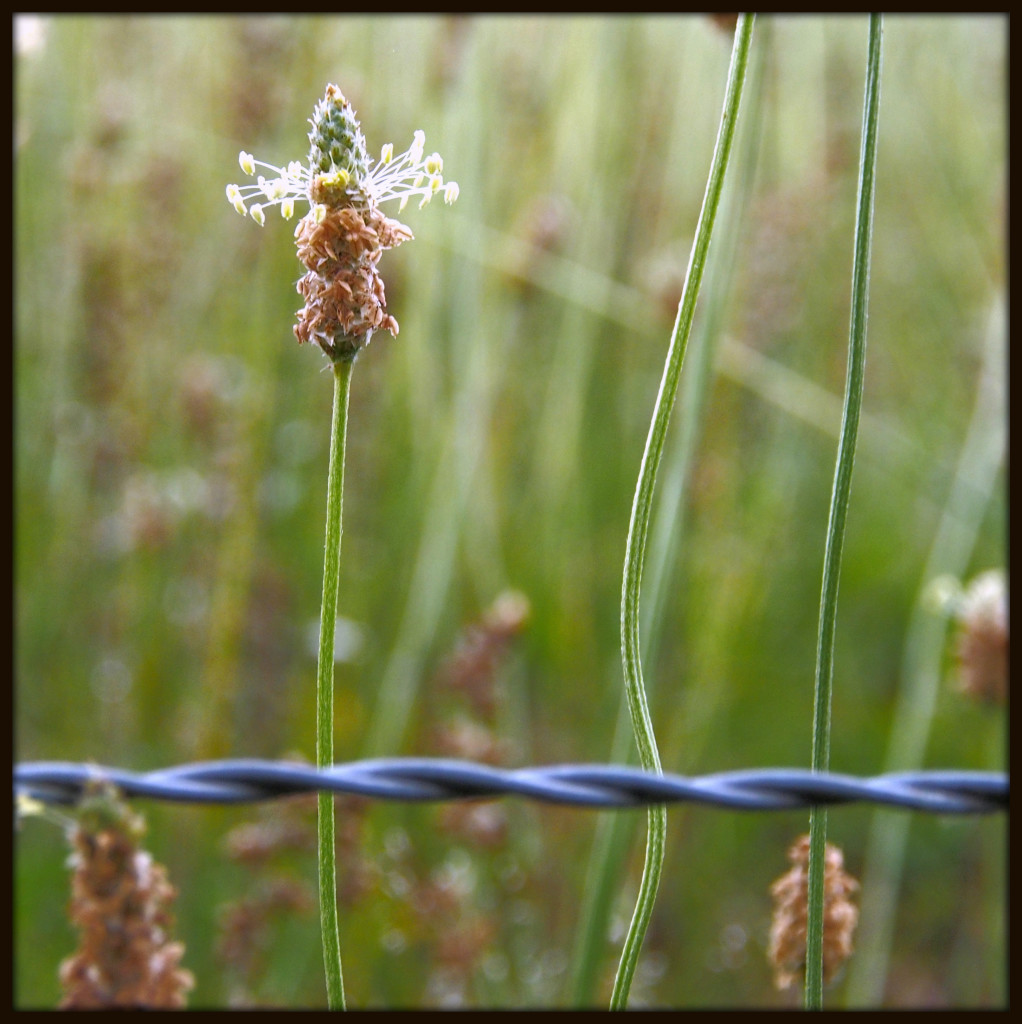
x,y
580,785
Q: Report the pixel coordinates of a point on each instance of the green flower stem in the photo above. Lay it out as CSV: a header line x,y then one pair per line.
x,y
839,508
639,524
325,684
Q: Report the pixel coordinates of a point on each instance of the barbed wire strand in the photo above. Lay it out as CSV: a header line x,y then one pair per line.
x,y
580,785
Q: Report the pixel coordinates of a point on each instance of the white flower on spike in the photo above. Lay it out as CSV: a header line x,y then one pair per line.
x,y
399,177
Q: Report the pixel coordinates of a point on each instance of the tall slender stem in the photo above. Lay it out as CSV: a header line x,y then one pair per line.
x,y
638,527
325,684
839,509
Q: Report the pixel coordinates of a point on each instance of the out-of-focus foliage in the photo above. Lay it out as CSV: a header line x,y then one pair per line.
x,y
170,447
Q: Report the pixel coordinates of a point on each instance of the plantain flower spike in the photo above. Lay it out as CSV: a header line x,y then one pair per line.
x,y
342,237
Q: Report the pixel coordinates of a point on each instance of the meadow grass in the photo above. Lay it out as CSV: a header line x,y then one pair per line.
x,y
171,439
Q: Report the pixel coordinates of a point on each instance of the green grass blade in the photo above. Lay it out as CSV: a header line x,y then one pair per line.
x,y
839,508
642,504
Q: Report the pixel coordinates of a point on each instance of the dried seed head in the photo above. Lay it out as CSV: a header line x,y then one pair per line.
x,y
344,295
787,950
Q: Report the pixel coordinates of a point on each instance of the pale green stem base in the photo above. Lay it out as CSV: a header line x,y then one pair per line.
x,y
325,686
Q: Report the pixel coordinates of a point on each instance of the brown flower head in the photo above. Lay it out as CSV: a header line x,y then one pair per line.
x,y
120,903
341,239
787,950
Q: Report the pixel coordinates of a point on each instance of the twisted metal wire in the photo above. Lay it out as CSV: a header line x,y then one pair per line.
x,y
581,785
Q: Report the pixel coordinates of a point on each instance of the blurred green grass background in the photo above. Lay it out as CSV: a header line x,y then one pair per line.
x,y
171,439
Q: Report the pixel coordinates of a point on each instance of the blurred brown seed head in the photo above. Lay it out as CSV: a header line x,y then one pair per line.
x,y
787,949
981,641
120,904
472,669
